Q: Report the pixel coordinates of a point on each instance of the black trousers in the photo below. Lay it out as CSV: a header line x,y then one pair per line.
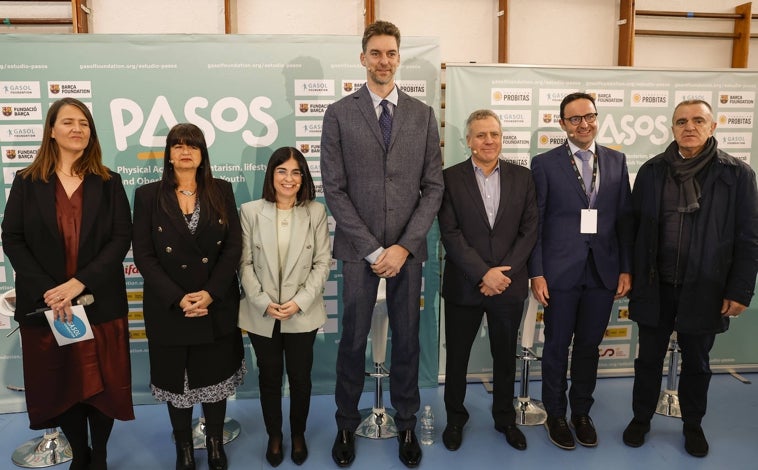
x,y
296,351
695,375
461,327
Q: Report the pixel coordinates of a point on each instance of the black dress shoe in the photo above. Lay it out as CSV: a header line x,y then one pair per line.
x,y
185,455
274,452
299,449
514,436
343,450
410,451
585,430
216,455
559,432
452,436
634,434
695,442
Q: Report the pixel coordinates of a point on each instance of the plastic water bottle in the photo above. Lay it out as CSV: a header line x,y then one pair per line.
x,y
427,426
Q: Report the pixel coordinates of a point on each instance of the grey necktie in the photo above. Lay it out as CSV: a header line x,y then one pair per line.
x,y
585,156
385,123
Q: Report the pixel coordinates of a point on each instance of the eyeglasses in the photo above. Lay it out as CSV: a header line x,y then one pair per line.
x,y
576,120
283,173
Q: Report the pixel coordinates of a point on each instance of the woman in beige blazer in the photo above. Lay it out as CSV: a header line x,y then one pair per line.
x,y
284,265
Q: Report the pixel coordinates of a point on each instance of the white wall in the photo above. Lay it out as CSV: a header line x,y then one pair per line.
x,y
545,32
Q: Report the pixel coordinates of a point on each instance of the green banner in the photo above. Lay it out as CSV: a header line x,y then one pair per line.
x,y
635,108
249,95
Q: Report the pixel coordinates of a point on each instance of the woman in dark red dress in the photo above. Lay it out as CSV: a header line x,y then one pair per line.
x,y
66,230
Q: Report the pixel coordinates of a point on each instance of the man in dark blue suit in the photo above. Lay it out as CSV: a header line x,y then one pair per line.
x,y
580,264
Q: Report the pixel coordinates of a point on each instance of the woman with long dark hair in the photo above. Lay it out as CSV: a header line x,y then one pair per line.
x,y
66,230
187,245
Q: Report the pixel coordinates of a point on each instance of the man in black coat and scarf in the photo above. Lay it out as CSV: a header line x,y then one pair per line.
x,y
695,263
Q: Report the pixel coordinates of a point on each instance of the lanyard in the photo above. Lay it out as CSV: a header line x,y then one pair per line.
x,y
579,175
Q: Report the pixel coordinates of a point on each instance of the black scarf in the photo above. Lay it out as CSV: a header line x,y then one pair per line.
x,y
684,170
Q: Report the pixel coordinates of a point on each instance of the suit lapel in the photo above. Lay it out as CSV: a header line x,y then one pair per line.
x,y
472,188
505,191
366,106
298,235
267,229
564,161
46,202
93,192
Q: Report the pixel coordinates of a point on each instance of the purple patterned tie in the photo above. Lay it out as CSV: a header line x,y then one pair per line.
x,y
385,123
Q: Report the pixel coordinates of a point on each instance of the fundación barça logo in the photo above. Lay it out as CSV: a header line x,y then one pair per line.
x,y
71,330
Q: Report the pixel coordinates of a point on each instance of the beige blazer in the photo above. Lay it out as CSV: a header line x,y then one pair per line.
x,y
305,272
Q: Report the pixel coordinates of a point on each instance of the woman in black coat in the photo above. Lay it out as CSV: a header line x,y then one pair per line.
x,y
66,230
187,243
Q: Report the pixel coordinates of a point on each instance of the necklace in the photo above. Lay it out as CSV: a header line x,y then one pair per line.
x,y
66,174
187,192
284,216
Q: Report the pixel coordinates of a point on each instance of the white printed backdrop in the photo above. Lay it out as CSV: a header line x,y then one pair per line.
x,y
635,107
249,94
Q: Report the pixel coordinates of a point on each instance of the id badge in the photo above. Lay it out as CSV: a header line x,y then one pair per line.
x,y
589,221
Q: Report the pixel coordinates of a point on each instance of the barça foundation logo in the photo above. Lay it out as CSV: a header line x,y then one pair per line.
x,y
55,88
7,111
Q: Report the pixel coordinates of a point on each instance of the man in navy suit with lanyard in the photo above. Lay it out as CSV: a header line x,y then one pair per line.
x,y
580,264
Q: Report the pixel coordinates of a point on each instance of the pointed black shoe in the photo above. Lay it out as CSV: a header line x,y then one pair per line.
x,y
274,450
452,437
299,450
634,434
410,451
343,450
513,436
216,455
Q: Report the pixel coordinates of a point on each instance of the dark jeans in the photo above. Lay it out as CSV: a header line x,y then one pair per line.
x,y
695,375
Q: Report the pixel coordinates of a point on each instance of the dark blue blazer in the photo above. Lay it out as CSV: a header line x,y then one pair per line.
x,y
561,251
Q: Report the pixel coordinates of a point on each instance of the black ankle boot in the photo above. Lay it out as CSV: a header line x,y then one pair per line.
x,y
216,454
185,455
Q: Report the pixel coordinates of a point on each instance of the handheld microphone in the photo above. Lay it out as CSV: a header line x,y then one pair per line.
x,y
83,300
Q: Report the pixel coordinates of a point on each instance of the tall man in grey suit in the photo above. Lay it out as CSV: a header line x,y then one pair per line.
x,y
488,222
581,262
382,174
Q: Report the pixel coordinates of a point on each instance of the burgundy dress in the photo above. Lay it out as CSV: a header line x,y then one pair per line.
x,y
96,372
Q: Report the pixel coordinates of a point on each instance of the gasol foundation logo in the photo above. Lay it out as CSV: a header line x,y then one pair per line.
x,y
309,149
650,99
351,86
9,172
608,98
21,133
57,89
308,128
553,97
18,154
311,108
547,139
20,111
315,169
736,99
413,87
684,95
519,118
314,87
517,140
737,120
511,96
734,140
19,90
